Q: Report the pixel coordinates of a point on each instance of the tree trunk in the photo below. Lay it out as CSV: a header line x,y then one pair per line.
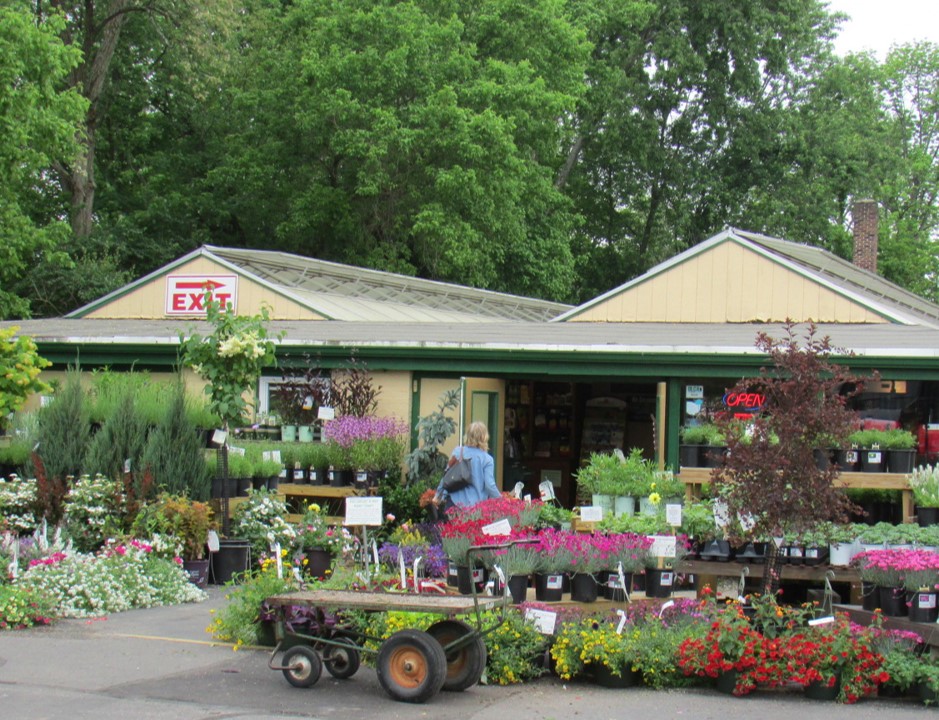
x,y
98,45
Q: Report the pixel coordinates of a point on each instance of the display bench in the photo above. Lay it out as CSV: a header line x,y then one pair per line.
x,y
694,478
706,573
298,495
927,631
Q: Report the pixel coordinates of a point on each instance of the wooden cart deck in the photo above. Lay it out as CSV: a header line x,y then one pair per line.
x,y
352,600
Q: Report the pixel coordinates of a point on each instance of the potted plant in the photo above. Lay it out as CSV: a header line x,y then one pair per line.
x,y
871,448
317,543
924,482
901,450
835,660
314,459
554,516
884,570
598,477
842,543
697,522
518,562
186,524
693,440
715,449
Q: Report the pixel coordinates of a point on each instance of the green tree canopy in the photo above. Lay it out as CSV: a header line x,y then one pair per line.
x,y
38,126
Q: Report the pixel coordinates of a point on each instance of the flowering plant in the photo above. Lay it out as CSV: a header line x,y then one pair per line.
x,y
892,568
519,513
458,537
314,532
434,559
177,522
17,500
260,520
590,642
732,644
630,549
368,443
20,608
924,482
230,359
94,507
837,652
120,577
517,559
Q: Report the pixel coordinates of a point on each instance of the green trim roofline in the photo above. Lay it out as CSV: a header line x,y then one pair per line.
x,y
493,363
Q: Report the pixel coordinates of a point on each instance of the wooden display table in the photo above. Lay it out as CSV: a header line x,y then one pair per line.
x,y
706,573
694,478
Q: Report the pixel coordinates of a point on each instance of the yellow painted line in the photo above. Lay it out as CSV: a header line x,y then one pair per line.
x,y
211,643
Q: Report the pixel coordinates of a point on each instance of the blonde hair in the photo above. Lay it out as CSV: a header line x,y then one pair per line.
x,y
477,435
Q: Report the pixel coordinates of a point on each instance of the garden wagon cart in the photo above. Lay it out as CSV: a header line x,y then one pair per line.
x,y
412,665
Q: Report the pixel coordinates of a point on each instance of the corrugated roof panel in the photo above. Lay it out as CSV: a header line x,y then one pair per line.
x,y
318,276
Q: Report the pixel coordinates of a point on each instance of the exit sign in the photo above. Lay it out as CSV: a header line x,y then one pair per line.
x,y
185,294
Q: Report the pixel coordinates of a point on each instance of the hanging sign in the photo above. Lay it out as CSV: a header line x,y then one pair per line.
x,y
185,294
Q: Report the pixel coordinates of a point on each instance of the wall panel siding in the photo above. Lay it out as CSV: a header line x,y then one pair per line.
x,y
728,283
149,301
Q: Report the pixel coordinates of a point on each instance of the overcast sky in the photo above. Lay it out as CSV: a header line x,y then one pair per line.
x,y
878,24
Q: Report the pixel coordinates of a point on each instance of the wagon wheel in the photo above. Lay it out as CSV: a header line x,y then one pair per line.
x,y
465,664
302,666
411,666
342,661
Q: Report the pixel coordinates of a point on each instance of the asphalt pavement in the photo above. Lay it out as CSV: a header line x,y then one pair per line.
x,y
161,664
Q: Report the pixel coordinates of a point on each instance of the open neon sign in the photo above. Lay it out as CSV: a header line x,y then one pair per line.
x,y
744,402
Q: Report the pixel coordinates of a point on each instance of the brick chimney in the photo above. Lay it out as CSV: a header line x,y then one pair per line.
x,y
864,217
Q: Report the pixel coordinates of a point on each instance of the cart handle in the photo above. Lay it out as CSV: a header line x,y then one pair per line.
x,y
501,546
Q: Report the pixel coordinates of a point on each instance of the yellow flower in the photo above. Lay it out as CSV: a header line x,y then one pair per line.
x,y
655,498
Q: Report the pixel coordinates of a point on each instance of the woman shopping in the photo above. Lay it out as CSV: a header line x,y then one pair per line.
x,y
482,483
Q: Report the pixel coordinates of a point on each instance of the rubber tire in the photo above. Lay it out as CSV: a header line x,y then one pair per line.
x,y
465,665
342,662
309,670
411,666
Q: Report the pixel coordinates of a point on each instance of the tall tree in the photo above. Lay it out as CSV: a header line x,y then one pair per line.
x,y
96,28
671,85
38,124
910,196
420,136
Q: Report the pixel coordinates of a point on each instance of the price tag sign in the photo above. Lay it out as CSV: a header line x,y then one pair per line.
x,y
543,620
500,527
673,514
662,546
325,413
363,511
591,513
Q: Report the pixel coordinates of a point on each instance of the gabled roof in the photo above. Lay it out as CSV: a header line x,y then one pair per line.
x,y
864,288
344,292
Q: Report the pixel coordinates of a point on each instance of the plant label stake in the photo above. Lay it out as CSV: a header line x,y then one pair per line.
x,y
622,580
416,570
622,621
280,565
